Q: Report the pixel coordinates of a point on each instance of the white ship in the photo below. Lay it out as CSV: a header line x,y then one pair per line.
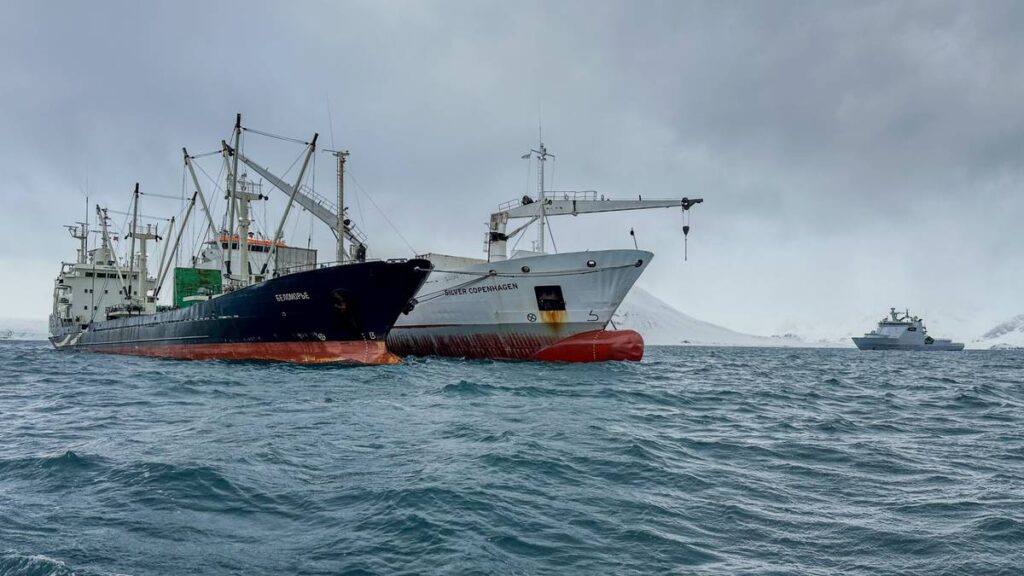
x,y
906,332
530,304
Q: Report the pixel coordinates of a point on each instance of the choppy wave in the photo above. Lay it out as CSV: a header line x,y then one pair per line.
x,y
703,461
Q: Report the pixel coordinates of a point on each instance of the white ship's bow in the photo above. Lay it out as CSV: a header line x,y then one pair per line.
x,y
520,307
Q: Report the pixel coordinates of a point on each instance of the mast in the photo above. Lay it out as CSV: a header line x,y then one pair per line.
x,y
231,205
86,223
542,157
340,226
103,255
150,233
80,232
131,249
243,211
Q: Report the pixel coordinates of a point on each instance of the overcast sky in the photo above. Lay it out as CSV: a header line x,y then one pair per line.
x,y
853,156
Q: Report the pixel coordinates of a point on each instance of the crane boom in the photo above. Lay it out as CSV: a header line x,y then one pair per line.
x,y
321,212
575,207
315,205
571,204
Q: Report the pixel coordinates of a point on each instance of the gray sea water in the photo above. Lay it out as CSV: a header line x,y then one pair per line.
x,y
695,461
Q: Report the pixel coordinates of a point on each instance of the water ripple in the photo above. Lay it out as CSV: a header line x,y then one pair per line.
x,y
698,460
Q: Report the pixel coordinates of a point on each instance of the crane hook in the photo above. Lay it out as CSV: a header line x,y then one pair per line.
x,y
686,235
686,204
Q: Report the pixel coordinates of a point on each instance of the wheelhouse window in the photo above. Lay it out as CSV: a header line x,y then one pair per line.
x,y
549,298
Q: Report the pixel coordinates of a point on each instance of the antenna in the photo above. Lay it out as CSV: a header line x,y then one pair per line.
x,y
540,125
330,119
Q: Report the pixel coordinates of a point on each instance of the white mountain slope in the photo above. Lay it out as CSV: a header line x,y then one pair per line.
x,y
662,325
1009,334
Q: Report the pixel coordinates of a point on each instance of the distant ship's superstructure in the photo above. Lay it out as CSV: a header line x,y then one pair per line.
x,y
903,332
245,296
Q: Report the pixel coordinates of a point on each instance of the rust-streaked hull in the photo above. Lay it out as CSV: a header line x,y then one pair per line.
x,y
520,342
355,352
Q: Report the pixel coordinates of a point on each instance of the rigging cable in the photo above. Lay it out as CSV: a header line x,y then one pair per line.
x,y
294,162
141,216
198,242
330,122
167,196
277,136
393,227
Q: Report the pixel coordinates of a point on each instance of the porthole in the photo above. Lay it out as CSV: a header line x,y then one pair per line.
x,y
525,269
591,263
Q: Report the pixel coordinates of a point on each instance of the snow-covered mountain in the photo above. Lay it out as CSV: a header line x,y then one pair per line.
x,y
1008,334
662,325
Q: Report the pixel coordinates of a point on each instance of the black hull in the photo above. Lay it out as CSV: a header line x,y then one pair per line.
x,y
329,314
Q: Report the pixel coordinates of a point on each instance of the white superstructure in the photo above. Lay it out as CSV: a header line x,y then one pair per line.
x,y
903,332
95,287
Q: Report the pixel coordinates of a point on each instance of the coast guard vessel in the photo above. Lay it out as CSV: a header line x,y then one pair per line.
x,y
245,297
903,332
531,304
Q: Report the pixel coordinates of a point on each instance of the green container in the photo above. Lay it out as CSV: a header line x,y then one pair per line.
x,y
193,281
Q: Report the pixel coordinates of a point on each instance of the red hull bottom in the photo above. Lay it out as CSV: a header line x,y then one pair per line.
x,y
542,343
596,346
353,352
